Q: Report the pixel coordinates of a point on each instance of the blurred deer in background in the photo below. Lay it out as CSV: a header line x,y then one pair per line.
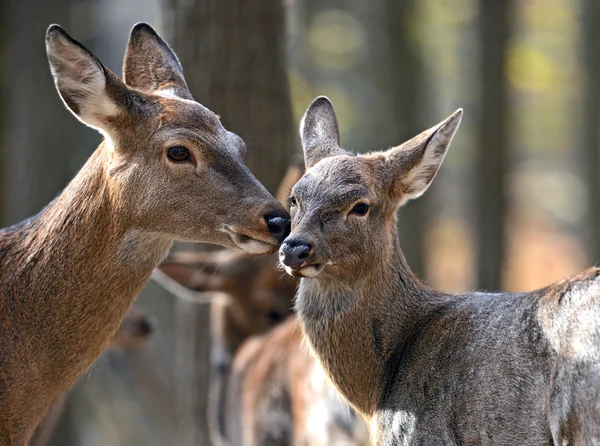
x,y
167,169
132,334
268,389
278,394
423,366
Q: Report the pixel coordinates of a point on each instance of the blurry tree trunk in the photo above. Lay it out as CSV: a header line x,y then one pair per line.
x,y
192,373
492,144
590,153
233,53
42,144
406,95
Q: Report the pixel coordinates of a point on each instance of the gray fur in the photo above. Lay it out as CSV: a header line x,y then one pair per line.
x,y
422,366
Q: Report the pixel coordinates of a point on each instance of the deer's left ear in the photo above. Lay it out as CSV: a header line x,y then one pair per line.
x,y
413,165
151,65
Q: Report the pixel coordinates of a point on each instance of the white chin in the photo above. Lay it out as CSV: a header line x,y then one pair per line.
x,y
309,271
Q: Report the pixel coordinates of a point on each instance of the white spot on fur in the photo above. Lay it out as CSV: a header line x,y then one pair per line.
x,y
169,93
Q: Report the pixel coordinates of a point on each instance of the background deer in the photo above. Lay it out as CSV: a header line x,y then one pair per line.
x,y
167,169
422,366
132,334
278,394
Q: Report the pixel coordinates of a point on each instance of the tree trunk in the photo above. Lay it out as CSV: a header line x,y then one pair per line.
x,y
234,54
42,144
192,373
492,142
590,150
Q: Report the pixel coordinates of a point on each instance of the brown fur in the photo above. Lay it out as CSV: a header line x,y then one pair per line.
x,y
133,333
115,221
422,366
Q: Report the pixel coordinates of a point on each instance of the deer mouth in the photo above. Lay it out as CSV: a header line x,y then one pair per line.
x,y
250,244
306,271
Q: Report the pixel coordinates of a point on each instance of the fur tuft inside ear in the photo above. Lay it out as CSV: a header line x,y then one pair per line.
x,y
81,80
319,132
151,65
415,163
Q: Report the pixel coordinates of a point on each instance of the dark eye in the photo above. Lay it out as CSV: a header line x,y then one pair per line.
x,y
178,154
360,209
292,201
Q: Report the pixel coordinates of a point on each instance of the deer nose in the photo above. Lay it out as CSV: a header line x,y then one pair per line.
x,y
279,226
294,252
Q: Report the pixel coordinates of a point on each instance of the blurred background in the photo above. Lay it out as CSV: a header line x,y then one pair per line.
x,y
515,206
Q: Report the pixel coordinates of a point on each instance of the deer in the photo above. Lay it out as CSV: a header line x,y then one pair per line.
x,y
166,170
424,367
133,333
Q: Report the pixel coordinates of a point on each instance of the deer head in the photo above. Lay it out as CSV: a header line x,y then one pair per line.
x,y
171,167
343,209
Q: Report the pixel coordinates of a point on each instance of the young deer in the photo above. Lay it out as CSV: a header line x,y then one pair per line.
x,y
133,333
167,169
422,366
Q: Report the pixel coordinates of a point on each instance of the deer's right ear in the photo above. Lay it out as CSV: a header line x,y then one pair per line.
x,y
151,65
88,89
413,165
319,132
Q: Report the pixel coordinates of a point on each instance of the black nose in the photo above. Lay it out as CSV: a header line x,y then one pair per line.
x,y
294,252
279,226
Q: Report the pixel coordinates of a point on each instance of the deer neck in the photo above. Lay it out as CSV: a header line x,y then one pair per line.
x,y
70,275
355,329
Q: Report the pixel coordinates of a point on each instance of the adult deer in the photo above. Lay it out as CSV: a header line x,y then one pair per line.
x,y
133,333
167,169
425,367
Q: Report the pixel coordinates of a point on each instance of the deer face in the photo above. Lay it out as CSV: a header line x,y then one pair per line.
x,y
172,167
343,208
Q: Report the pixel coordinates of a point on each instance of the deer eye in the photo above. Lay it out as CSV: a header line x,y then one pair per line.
x,y
292,201
360,209
178,154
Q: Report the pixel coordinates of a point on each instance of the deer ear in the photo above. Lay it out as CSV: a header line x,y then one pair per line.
x,y
319,132
150,64
414,164
88,89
